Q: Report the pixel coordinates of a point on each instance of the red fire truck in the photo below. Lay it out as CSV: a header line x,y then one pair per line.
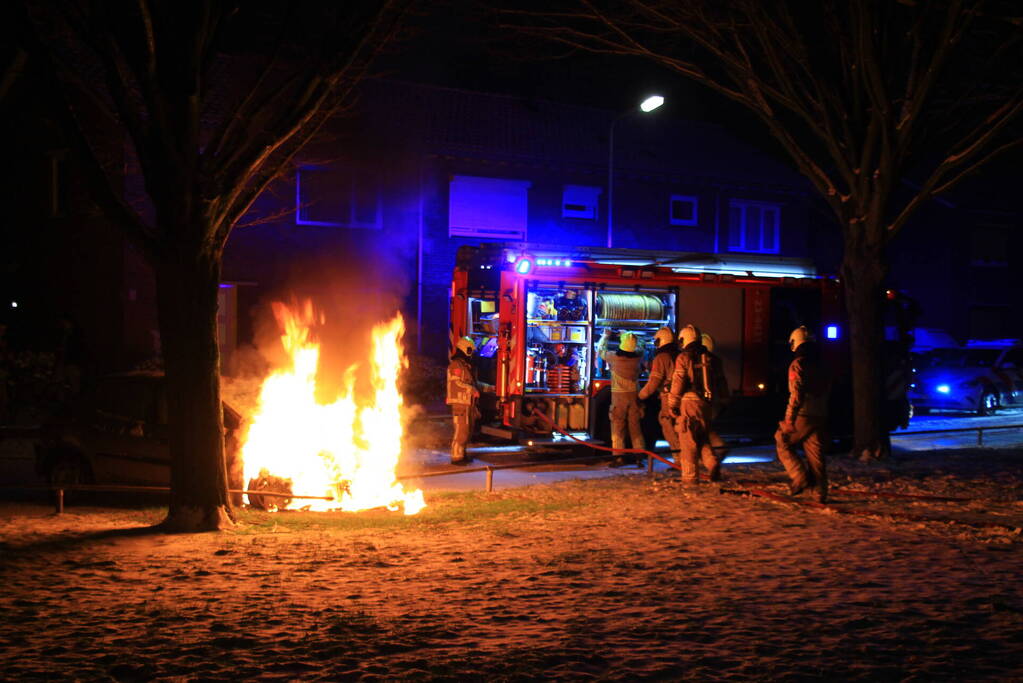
x,y
536,315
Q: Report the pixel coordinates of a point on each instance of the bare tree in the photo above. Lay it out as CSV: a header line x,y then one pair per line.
x,y
215,98
881,104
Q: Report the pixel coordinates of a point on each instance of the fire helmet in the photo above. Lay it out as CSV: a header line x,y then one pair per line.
x,y
689,334
707,341
664,337
799,336
466,345
628,342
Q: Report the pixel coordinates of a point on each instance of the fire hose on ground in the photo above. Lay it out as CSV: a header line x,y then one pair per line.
x,y
653,456
775,497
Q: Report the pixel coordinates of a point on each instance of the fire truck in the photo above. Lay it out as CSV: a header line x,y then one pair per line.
x,y
537,313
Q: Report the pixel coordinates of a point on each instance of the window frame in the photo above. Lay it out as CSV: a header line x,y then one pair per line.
x,y
496,233
594,207
745,204
692,199
353,209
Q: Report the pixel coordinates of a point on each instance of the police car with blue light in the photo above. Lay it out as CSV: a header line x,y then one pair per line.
x,y
980,377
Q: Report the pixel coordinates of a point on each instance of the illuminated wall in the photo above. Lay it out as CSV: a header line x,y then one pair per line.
x,y
455,168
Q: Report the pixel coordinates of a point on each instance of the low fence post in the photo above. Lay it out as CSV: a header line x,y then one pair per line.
x,y
490,479
59,501
980,436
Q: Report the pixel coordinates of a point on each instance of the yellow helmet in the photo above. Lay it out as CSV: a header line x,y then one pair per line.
x,y
799,336
689,334
628,342
707,341
663,337
466,345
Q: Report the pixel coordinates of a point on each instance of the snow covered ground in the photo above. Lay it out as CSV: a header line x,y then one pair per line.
x,y
902,441
619,578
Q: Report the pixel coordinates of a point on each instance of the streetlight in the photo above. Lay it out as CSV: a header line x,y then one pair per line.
x,y
646,106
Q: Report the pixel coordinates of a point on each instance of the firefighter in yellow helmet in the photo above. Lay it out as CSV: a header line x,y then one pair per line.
x,y
720,398
462,395
659,383
626,411
692,389
806,417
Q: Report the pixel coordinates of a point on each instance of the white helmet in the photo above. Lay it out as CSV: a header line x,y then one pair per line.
x,y
664,337
688,335
707,341
799,336
466,345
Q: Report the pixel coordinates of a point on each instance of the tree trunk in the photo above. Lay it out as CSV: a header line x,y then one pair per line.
x,y
187,284
863,275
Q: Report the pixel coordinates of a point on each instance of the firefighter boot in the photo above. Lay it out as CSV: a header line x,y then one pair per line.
x,y
821,487
798,486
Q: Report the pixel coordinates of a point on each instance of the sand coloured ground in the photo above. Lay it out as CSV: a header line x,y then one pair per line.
x,y
616,579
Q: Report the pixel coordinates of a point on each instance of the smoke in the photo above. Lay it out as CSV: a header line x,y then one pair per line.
x,y
352,287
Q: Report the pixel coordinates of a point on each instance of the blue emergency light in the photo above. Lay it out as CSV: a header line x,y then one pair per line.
x,y
943,388
524,266
553,262
831,332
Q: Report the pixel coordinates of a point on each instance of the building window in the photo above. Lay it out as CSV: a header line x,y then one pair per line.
x,y
336,197
580,201
754,227
490,208
683,210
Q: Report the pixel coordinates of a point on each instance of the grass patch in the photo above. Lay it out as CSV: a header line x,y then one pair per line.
x,y
443,508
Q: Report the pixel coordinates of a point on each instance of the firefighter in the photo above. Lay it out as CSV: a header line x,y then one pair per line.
x,y
692,385
462,396
805,422
626,411
659,383
720,399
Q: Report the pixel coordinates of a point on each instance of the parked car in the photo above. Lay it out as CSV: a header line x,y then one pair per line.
x,y
930,338
117,433
980,377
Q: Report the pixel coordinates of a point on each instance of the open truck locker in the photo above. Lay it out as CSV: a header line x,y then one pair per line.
x,y
529,308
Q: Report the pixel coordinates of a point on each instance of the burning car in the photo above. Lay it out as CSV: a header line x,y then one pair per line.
x,y
980,377
118,434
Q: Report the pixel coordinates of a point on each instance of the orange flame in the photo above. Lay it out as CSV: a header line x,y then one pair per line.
x,y
347,450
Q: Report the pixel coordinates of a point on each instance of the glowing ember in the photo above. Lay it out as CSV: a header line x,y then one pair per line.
x,y
347,450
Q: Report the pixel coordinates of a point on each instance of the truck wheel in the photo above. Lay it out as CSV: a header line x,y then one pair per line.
x,y
988,404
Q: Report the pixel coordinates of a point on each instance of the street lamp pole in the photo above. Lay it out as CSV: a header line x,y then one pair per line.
x,y
648,105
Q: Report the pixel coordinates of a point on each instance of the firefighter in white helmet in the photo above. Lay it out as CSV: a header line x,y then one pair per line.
x,y
626,411
692,388
659,383
806,417
462,395
720,398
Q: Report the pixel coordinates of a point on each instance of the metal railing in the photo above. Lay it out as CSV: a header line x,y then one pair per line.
x,y
979,429
59,490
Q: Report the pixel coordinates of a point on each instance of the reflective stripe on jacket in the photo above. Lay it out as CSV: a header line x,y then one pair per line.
x,y
624,367
687,378
461,382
